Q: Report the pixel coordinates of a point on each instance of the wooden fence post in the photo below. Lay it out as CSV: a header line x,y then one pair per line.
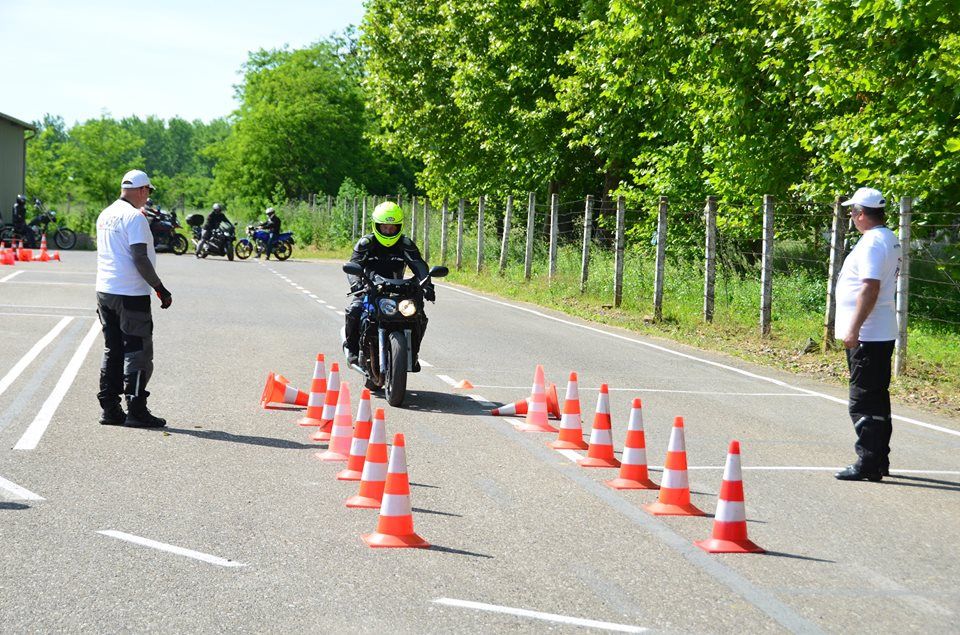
x,y
903,286
620,246
353,233
587,233
838,231
531,228
313,203
413,218
426,229
505,239
443,229
480,207
710,257
766,271
554,230
329,205
661,257
460,210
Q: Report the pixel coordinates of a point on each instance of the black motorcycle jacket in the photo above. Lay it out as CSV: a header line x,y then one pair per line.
x,y
387,262
19,213
214,219
271,224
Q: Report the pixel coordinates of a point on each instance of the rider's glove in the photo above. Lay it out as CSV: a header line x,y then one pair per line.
x,y
166,298
429,293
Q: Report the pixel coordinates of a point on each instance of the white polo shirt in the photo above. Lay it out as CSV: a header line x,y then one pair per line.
x,y
876,256
119,226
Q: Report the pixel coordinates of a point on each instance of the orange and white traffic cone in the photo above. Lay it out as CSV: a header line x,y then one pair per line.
x,y
44,256
395,525
553,403
674,497
342,431
275,391
373,477
318,390
730,522
358,445
55,256
6,257
633,469
600,453
329,405
24,255
571,426
536,420
511,409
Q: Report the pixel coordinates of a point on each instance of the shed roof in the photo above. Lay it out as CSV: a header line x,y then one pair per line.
x,y
17,122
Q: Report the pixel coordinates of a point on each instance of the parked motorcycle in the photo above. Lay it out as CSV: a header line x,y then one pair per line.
x,y
391,329
219,243
256,240
164,226
62,237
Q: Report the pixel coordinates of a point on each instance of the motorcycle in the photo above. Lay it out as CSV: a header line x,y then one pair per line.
x,y
219,243
164,228
390,329
63,237
257,240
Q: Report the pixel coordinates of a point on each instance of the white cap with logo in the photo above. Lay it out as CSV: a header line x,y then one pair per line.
x,y
867,197
135,179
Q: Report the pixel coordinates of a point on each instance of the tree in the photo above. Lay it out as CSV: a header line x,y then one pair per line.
x,y
99,153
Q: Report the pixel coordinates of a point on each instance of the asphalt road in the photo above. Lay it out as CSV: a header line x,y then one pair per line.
x,y
514,524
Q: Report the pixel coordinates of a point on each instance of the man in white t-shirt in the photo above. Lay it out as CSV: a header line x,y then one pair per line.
x,y
126,276
867,323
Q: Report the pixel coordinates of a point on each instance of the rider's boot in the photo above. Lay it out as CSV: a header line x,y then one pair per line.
x,y
139,416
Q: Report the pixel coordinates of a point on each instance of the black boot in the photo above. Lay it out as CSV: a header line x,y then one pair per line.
x,y
139,416
855,473
113,415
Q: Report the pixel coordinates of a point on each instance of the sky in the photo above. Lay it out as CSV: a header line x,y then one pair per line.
x,y
81,59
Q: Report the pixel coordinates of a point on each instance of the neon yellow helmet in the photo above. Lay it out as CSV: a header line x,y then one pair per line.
x,y
387,223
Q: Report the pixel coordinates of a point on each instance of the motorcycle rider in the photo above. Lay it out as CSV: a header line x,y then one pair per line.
x,y
19,220
213,221
385,253
272,226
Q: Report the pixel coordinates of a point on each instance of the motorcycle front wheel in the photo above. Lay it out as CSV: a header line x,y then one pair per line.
x,y
282,250
230,251
65,238
395,384
179,244
243,249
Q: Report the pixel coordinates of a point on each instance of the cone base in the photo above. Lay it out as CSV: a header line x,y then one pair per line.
x,y
589,461
349,475
362,502
330,455
320,435
629,483
310,422
568,445
715,545
530,427
667,509
377,540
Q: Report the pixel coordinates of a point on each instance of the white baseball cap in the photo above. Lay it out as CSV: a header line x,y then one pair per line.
x,y
134,179
867,197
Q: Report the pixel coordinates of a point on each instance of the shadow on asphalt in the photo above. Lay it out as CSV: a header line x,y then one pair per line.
x,y
425,485
289,408
780,554
218,435
458,552
927,483
13,506
441,402
421,510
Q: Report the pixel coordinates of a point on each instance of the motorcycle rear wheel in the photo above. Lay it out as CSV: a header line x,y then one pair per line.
x,y
230,251
179,245
396,379
243,249
282,250
65,238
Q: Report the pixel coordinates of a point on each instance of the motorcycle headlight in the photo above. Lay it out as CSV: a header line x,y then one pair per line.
x,y
388,306
407,308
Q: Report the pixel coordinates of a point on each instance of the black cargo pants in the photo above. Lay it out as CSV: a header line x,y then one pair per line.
x,y
869,407
127,349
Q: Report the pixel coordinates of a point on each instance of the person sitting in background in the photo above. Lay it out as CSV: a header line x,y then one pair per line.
x,y
213,221
271,225
19,220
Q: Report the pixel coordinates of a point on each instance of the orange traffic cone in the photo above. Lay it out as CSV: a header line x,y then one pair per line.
x,y
275,391
536,420
674,497
44,256
395,525
342,431
55,256
318,390
633,470
358,445
730,522
374,467
600,453
329,404
6,257
510,409
24,255
571,428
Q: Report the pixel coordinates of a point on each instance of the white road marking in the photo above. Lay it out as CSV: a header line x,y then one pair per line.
x,y
38,426
734,369
41,306
425,363
797,468
57,315
537,615
447,380
11,276
312,295
162,546
573,455
68,284
18,492
483,401
29,356
685,392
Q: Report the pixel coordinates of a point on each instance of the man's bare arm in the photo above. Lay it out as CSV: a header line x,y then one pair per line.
x,y
866,300
142,262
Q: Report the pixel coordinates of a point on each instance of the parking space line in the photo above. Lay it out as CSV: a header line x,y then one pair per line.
x,y
425,363
537,615
20,493
162,546
30,355
38,426
666,390
61,284
11,276
447,380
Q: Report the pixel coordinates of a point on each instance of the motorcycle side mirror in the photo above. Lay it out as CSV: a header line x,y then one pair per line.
x,y
352,268
438,271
